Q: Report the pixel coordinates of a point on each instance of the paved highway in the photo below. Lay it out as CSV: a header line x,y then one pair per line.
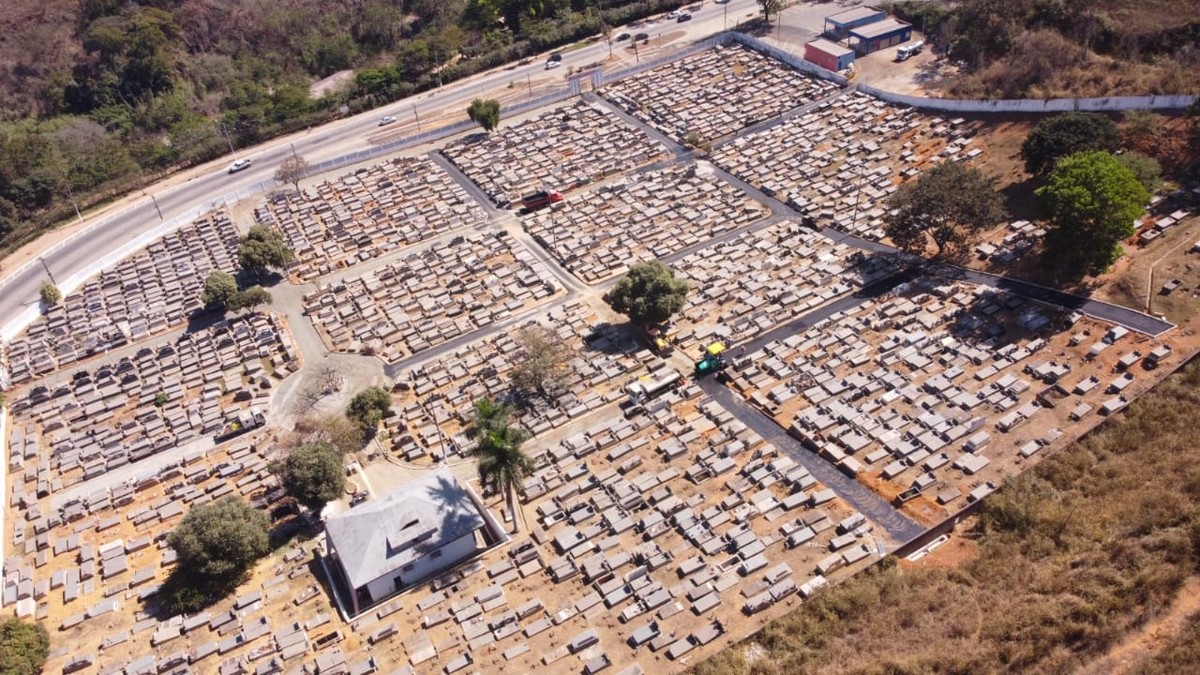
x,y
20,291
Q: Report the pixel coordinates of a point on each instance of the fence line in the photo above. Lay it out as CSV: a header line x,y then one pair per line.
x,y
1034,106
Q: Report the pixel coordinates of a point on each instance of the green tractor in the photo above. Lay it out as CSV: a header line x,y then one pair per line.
x,y
713,361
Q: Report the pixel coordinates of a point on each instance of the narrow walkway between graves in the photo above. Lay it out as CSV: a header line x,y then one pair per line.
x,y
680,153
467,184
871,505
393,370
859,496
1122,316
767,125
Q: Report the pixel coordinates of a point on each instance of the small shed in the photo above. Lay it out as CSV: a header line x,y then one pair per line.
x,y
828,55
878,35
839,25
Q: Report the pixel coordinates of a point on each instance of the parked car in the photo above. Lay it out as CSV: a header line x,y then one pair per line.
x,y
239,165
622,37
683,17
384,121
674,14
554,61
641,37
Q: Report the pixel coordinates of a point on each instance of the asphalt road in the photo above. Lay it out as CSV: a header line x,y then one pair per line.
x,y
341,137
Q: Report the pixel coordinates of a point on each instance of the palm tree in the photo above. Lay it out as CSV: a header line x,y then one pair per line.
x,y
489,415
502,465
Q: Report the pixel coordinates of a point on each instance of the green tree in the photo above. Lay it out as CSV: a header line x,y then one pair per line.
x,y
216,544
502,464
368,409
1091,201
313,474
1147,169
219,287
649,293
50,294
263,248
541,360
292,170
24,647
770,7
1067,134
947,204
248,299
485,113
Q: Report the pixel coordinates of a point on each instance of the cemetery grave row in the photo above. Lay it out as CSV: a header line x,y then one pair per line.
x,y
559,150
202,384
597,234
435,400
91,571
841,161
146,294
945,388
712,94
446,290
341,222
747,286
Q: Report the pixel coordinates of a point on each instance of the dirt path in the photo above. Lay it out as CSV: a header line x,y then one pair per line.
x,y
1153,636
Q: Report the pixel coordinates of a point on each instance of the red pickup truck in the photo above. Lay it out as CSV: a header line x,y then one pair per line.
x,y
539,200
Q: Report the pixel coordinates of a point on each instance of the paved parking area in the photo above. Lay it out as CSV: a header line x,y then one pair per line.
x,y
341,222
598,234
144,295
559,150
712,94
446,290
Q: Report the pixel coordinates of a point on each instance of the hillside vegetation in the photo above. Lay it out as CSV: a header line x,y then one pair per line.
x,y
1072,556
1053,48
100,96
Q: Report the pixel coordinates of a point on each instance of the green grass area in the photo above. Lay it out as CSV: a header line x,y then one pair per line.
x,y
1072,556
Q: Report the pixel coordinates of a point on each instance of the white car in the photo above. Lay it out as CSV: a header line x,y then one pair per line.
x,y
673,15
239,165
384,121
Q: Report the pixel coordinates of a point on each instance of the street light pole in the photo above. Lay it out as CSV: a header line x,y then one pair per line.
x,y
418,116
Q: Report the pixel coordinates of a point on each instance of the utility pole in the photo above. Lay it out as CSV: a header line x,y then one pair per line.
x,y
47,268
529,82
294,155
71,196
228,138
160,215
418,116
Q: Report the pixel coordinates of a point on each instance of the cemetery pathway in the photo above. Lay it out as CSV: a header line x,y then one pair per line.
x,y
871,505
859,496
467,184
393,370
1122,316
767,125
